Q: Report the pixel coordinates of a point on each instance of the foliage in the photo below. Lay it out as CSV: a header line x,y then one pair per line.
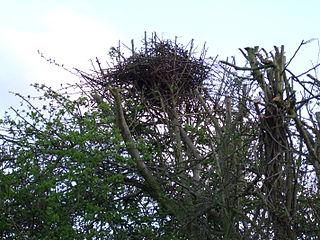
x,y
63,170
229,153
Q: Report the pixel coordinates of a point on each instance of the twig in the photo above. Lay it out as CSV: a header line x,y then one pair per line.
x,y
313,68
295,53
246,68
313,78
297,79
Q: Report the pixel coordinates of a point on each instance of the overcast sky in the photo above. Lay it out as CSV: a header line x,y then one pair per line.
x,y
74,31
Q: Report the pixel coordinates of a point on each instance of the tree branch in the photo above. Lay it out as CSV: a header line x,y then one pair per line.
x,y
246,68
132,147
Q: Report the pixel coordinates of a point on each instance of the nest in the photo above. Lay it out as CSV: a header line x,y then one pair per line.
x,y
162,72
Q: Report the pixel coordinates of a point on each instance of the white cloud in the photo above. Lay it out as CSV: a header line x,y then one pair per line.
x,y
63,34
67,36
75,36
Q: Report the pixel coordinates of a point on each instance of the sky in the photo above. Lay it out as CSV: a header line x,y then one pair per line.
x,y
74,31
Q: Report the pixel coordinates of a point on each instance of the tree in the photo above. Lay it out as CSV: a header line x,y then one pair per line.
x,y
165,144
